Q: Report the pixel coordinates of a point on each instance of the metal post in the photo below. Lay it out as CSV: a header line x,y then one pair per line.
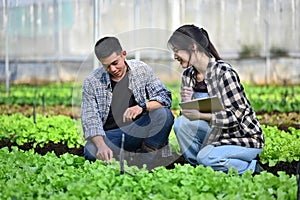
x,y
96,28
182,10
298,179
122,155
58,27
267,45
5,9
136,26
176,15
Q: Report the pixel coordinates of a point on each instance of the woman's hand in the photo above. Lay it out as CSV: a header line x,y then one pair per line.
x,y
193,114
186,93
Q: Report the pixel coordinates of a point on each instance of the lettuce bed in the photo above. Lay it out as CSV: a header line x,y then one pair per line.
x,y
26,175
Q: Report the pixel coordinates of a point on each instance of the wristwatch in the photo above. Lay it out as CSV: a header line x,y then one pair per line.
x,y
144,106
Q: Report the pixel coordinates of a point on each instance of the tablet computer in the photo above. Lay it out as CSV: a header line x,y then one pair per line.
x,y
205,105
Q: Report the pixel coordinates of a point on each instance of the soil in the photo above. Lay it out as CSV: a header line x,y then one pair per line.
x,y
282,120
27,110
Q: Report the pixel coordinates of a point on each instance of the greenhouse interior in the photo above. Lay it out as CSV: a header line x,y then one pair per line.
x,y
54,100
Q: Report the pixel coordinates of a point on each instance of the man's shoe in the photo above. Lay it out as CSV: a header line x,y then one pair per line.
x,y
152,157
258,169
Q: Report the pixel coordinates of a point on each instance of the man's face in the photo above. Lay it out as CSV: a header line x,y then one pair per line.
x,y
115,65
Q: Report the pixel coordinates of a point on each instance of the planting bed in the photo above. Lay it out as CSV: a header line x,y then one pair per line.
x,y
59,149
283,120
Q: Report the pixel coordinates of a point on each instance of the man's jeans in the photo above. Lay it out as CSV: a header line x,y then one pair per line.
x,y
191,134
152,128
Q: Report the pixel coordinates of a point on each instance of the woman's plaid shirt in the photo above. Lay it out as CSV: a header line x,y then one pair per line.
x,y
237,124
97,95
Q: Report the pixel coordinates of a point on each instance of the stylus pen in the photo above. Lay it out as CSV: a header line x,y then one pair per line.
x,y
186,82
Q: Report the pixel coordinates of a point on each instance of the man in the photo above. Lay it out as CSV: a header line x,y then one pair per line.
x,y
124,97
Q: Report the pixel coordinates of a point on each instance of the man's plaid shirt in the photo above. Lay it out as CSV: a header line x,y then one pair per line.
x,y
237,124
97,95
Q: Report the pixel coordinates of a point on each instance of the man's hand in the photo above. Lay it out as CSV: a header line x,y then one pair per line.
x,y
104,152
186,93
131,113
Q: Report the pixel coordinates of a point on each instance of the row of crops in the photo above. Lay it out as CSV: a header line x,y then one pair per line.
x,y
29,175
263,98
25,175
279,145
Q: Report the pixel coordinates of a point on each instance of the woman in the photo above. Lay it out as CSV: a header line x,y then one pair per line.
x,y
231,138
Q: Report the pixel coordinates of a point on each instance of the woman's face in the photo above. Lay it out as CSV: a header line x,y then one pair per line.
x,y
184,57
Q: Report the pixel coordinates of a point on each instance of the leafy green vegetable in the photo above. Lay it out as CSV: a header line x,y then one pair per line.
x,y
25,175
280,145
262,98
56,129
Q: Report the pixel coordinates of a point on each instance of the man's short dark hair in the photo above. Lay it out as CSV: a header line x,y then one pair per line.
x,y
107,46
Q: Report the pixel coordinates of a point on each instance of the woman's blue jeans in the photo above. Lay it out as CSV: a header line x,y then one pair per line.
x,y
191,134
152,128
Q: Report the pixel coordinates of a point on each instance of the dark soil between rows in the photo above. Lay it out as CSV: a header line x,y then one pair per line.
x,y
59,149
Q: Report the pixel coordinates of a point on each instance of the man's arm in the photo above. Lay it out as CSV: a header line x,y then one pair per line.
x,y
131,113
152,105
146,85
92,124
103,151
91,121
